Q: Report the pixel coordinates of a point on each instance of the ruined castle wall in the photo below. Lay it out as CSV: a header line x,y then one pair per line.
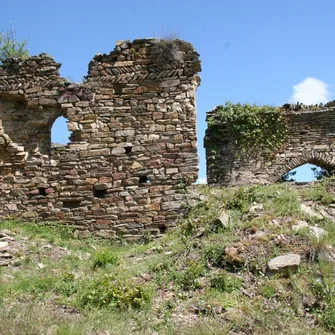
x,y
133,145
310,138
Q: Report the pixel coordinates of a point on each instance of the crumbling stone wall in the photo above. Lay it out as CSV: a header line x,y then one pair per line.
x,y
310,138
133,146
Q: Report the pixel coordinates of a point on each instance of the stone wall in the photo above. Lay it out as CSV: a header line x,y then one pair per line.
x,y
310,138
133,146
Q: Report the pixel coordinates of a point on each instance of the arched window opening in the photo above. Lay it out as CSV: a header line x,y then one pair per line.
x,y
60,134
307,173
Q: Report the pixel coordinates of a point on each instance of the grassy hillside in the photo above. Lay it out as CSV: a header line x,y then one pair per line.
x,y
210,275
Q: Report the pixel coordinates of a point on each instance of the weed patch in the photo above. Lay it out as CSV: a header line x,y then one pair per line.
x,y
214,255
103,257
226,283
112,292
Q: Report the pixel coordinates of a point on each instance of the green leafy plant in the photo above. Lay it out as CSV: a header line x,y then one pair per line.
x,y
267,291
226,283
241,199
189,278
214,255
319,192
112,292
328,317
10,46
102,257
254,128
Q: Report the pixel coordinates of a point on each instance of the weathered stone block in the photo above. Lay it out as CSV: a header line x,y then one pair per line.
x,y
170,83
126,132
47,102
94,153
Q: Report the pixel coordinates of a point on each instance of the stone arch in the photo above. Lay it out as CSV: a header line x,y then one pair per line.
x,y
321,159
44,143
62,122
309,138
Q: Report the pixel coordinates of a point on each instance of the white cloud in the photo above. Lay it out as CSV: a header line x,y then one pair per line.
x,y
310,91
201,180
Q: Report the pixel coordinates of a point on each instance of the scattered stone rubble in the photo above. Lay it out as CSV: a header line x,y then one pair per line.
x,y
133,147
14,249
7,251
284,263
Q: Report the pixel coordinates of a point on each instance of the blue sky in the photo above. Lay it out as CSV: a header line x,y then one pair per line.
x,y
260,51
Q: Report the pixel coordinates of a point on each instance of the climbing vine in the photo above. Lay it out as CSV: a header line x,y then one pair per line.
x,y
254,128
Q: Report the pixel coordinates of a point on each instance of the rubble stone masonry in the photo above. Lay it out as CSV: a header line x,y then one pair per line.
x,y
133,144
309,138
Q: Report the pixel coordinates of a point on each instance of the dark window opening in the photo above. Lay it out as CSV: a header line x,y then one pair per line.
x,y
128,149
41,191
99,193
144,179
162,229
71,204
118,88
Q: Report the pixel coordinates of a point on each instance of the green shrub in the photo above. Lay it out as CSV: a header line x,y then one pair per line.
x,y
267,291
226,283
318,193
102,257
112,292
189,279
240,200
328,317
10,46
254,128
215,255
188,227
67,285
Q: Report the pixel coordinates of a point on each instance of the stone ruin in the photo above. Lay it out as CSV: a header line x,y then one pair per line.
x,y
133,146
310,138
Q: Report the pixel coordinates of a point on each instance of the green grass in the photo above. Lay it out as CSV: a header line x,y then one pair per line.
x,y
103,257
320,192
200,278
51,232
226,283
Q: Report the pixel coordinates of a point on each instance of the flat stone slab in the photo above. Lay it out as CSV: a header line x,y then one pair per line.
x,y
223,219
3,245
284,263
309,211
300,225
317,232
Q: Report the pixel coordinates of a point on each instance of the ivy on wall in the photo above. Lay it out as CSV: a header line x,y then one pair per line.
x,y
254,128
